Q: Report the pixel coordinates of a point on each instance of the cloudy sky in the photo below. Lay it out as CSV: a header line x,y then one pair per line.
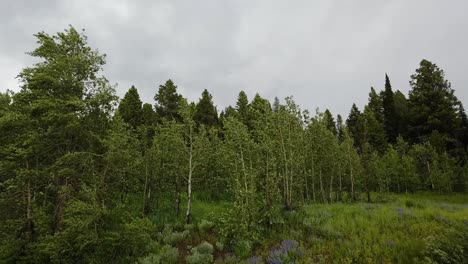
x,y
326,53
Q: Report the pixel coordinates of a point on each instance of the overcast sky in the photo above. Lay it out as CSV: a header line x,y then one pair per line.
x,y
326,54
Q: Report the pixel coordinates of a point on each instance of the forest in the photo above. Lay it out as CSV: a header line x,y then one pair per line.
x,y
88,177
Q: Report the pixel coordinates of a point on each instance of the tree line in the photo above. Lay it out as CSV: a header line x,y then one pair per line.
x,y
84,175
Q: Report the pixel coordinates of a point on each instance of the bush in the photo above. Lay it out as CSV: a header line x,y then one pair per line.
x,y
150,259
167,255
229,259
198,258
219,246
243,248
202,253
205,225
204,248
172,238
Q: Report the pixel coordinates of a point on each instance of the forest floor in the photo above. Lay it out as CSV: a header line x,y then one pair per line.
x,y
412,228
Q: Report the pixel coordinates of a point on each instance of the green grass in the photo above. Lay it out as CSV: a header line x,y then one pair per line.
x,y
403,230
407,228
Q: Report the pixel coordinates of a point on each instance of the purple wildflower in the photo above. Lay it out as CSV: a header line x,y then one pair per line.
x,y
400,211
287,252
255,260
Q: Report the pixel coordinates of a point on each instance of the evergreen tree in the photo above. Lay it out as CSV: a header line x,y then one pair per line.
x,y
374,131
61,117
167,101
356,126
242,107
130,108
433,105
401,112
389,115
376,105
205,111
148,115
463,134
330,122
340,127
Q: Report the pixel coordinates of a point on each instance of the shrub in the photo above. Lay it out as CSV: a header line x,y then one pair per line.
x,y
172,238
150,259
201,254
204,248
205,225
243,248
219,246
169,254
198,258
229,259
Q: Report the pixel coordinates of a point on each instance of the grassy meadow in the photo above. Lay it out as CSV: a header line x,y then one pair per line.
x,y
412,228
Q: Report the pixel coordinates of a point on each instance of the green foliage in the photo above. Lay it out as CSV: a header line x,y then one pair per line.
x,y
243,248
82,183
389,113
205,113
168,99
433,105
169,237
166,255
130,108
205,225
202,253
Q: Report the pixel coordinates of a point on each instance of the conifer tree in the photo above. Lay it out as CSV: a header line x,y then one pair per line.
x,y
389,115
205,111
340,127
374,131
167,101
376,105
433,105
130,108
242,107
401,112
356,126
330,122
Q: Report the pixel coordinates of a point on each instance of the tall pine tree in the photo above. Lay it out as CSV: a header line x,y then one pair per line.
x,y
167,102
130,108
390,119
205,111
433,105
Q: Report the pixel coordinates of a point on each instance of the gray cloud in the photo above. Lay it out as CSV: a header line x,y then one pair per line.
x,y
324,53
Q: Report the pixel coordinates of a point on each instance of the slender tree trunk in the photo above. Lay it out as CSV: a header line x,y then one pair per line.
x,y
146,186
331,189
286,175
177,197
189,181
244,172
29,217
340,191
351,175
60,204
313,180
306,186
430,174
324,200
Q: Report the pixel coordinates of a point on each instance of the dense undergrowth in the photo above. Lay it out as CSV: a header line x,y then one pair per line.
x,y
418,228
